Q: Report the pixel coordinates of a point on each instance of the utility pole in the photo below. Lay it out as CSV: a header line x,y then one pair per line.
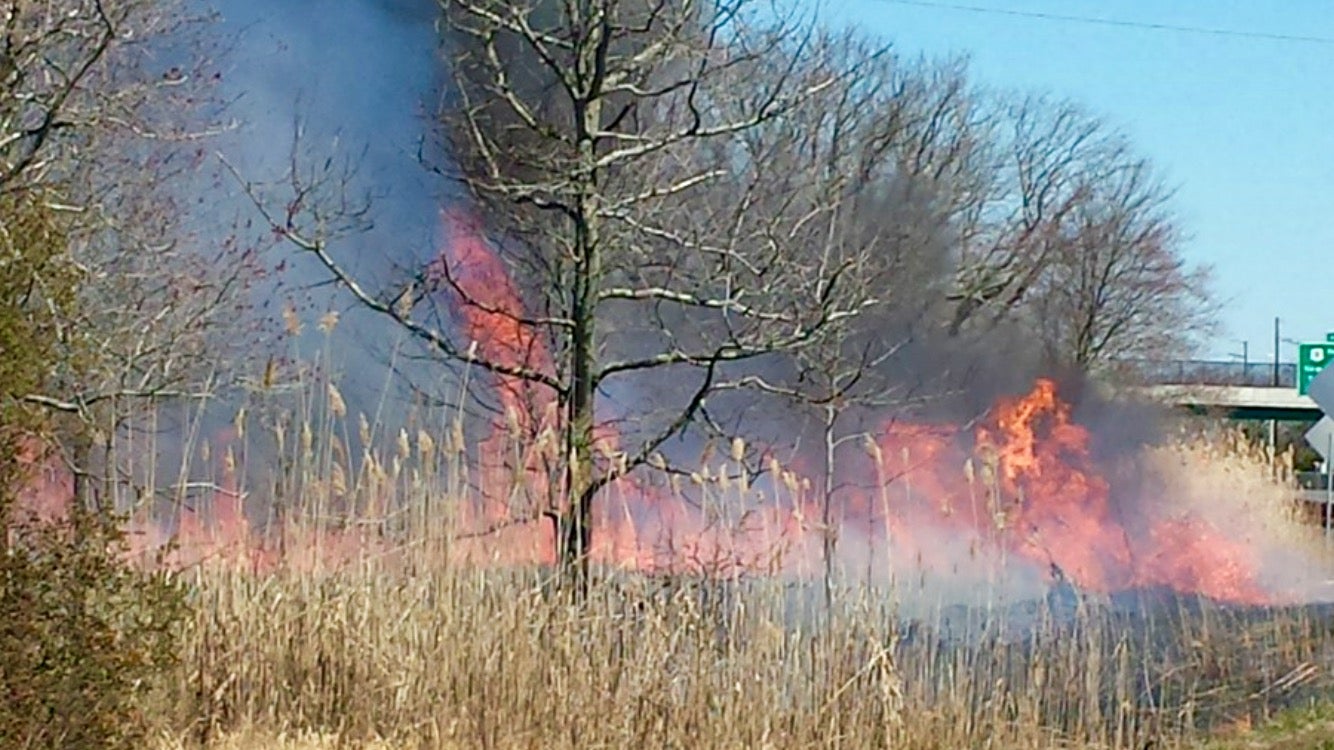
x,y
1276,342
1245,357
1273,423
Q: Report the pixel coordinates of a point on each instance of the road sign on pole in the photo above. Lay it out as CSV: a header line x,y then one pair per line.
x,y
1321,390
1329,337
1320,437
1311,360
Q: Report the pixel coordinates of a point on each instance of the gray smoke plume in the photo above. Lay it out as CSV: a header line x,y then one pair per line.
x,y
357,78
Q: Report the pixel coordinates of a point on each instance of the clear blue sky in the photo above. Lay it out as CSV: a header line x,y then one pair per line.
x,y
1242,127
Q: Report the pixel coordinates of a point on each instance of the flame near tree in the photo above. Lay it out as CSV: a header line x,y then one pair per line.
x,y
1047,501
1030,490
601,169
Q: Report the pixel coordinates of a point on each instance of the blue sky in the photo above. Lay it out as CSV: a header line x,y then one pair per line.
x,y
1242,127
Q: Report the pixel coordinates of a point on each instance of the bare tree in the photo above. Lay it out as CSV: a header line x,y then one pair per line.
x,y
1048,155
621,155
101,134
1118,288
1073,239
887,155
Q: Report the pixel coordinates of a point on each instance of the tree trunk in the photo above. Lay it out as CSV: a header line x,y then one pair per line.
x,y
577,535
576,520
828,537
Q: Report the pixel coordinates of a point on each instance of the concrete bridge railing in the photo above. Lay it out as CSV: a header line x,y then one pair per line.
x,y
1209,372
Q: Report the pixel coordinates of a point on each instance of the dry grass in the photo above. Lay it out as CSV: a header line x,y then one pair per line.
x,y
1237,488
441,660
268,740
414,652
398,645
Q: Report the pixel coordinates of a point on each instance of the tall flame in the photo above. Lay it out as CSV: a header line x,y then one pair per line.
x,y
1059,508
492,314
1036,492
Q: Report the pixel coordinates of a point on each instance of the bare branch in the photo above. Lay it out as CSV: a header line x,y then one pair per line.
x,y
439,341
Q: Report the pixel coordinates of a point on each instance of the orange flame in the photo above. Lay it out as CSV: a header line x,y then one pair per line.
x,y
492,313
1047,502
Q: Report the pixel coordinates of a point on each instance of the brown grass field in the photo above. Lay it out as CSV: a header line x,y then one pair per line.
x,y
395,644
376,616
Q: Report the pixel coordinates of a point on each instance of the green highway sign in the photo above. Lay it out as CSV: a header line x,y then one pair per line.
x,y
1311,359
1329,337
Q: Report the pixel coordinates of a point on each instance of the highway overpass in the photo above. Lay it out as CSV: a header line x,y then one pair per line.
x,y
1238,391
1235,401
1235,390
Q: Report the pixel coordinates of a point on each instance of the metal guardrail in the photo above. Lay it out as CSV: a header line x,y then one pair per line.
x,y
1207,372
1312,480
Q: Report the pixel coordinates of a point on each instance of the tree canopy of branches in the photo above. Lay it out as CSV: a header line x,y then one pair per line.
x,y
631,161
699,198
105,284
1117,286
1074,240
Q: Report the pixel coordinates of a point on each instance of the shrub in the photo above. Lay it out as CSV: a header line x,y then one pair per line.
x,y
84,636
37,284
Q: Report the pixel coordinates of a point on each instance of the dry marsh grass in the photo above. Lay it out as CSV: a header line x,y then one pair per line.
x,y
440,660
363,628
408,649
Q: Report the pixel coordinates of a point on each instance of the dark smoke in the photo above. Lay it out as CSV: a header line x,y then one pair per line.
x,y
359,77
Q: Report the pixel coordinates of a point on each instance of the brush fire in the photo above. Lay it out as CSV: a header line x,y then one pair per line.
x,y
1019,487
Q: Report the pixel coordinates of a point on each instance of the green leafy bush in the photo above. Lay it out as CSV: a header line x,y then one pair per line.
x,y
85,637
37,287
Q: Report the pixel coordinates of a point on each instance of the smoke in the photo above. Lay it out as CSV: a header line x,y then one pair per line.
x,y
361,78
358,79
